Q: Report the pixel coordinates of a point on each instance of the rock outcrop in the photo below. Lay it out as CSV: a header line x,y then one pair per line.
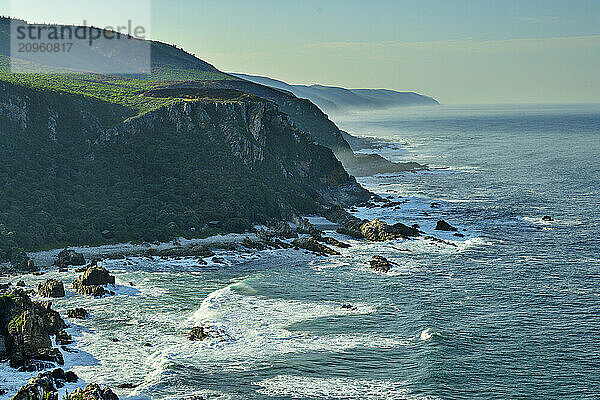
x,y
69,257
93,280
381,264
92,392
78,313
199,333
379,231
444,226
311,244
51,288
27,327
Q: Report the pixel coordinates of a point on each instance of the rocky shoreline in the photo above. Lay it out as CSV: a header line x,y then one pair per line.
x,y
29,328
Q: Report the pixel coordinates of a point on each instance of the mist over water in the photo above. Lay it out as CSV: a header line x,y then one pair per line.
x,y
510,312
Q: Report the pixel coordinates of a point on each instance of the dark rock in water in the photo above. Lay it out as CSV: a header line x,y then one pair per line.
x,y
93,290
21,284
22,263
460,235
349,307
2,392
71,377
93,392
406,231
96,275
437,240
25,329
351,228
41,387
379,231
63,338
380,264
435,205
547,218
35,366
92,280
218,260
127,386
444,226
303,226
333,242
69,257
29,339
311,244
197,397
58,374
114,340
198,333
284,230
51,288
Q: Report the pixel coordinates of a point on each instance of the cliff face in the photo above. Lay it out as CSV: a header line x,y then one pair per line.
x,y
71,167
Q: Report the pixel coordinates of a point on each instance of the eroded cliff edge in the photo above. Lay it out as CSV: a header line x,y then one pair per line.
x,y
72,167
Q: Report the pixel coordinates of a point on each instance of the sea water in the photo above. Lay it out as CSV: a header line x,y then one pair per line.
x,y
509,311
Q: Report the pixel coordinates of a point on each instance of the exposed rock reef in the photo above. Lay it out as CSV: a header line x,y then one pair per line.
x,y
52,288
78,313
381,264
93,280
444,226
26,327
68,258
311,244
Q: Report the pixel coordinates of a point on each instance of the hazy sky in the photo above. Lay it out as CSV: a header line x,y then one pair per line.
x,y
458,51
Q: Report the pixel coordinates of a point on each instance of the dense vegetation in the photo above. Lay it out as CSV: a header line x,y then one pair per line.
x,y
84,153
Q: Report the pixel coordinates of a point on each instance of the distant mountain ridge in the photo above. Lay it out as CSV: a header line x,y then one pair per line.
x,y
337,99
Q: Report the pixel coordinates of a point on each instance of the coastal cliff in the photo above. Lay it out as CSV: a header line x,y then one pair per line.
x,y
73,167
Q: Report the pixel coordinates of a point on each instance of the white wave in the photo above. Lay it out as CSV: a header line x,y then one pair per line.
x,y
336,388
426,334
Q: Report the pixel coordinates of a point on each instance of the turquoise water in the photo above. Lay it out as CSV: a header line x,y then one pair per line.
x,y
511,311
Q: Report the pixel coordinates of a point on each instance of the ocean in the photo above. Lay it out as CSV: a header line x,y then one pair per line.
x,y
509,311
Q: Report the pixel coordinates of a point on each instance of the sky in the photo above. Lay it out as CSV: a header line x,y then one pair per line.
x,y
458,51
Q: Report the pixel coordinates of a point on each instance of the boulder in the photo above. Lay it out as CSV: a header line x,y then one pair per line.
x,y
22,263
311,244
351,228
41,387
444,226
93,392
380,264
27,328
51,288
92,280
303,226
28,339
284,230
63,338
79,313
69,257
379,231
71,377
199,333
333,242
547,218
96,275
